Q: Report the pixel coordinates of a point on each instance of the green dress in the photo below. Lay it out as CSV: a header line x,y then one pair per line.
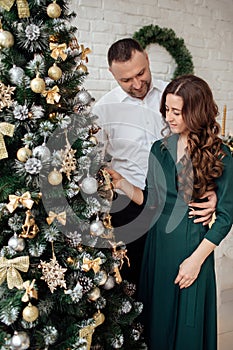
x,y
177,319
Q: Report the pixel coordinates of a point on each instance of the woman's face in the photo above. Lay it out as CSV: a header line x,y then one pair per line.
x,y
174,105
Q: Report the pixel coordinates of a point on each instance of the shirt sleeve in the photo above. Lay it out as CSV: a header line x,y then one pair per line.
x,y
224,208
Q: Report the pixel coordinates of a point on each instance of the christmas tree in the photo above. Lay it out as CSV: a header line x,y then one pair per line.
x,y
60,282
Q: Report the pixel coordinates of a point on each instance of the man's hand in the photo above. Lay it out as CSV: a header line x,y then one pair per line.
x,y
207,209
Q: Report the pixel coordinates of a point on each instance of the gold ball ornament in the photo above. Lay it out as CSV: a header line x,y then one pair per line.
x,y
93,140
55,177
55,72
82,68
6,39
94,294
37,85
30,313
53,10
23,154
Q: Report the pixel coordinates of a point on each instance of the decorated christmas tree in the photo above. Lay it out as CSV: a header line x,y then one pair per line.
x,y
60,282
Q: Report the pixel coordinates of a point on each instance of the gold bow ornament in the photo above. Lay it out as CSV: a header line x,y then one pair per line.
x,y
91,264
22,6
61,217
25,200
52,95
30,291
58,50
9,270
8,130
85,52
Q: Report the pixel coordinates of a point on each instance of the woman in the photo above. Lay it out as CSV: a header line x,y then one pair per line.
x,y
177,284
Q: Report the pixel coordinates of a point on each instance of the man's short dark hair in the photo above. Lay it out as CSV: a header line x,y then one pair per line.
x,y
121,50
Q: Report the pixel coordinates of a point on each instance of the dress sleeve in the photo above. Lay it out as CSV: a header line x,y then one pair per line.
x,y
155,175
224,208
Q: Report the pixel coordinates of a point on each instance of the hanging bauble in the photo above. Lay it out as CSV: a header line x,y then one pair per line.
x,y
97,228
110,283
37,84
55,177
42,152
23,154
94,294
30,313
6,39
16,243
82,68
89,185
93,140
101,277
55,72
20,341
83,97
54,10
16,75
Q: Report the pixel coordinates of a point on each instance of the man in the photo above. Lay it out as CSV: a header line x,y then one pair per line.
x,y
130,122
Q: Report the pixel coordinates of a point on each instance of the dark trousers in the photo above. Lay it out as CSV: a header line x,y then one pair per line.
x,y
130,222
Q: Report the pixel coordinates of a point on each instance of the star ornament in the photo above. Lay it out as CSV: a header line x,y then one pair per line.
x,y
53,274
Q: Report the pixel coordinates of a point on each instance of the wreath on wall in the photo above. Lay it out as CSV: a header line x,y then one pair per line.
x,y
167,38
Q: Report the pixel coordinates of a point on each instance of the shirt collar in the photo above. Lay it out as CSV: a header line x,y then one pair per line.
x,y
155,84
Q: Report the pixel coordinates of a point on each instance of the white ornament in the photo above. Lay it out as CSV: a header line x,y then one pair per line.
x,y
42,152
20,341
16,243
89,185
97,228
16,75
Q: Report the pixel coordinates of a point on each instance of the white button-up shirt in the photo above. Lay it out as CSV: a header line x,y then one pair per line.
x,y
129,127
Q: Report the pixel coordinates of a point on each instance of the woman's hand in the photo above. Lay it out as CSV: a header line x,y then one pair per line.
x,y
207,208
188,272
116,178
119,182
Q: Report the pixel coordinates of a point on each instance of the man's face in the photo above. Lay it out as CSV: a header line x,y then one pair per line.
x,y
133,76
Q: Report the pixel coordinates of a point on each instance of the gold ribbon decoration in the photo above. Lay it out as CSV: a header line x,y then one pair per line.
x,y
25,200
52,95
91,264
30,292
87,332
58,50
9,270
85,52
8,130
61,217
22,6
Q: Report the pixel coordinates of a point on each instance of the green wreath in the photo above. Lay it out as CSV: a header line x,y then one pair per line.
x,y
175,46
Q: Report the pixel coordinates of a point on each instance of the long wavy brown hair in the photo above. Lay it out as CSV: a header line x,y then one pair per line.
x,y
202,162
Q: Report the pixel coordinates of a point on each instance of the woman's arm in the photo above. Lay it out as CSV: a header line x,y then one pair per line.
x,y
189,269
134,193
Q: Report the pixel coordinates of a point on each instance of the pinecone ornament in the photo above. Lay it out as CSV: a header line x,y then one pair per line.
x,y
85,282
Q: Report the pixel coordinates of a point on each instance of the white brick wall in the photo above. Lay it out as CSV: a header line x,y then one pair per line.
x,y
205,25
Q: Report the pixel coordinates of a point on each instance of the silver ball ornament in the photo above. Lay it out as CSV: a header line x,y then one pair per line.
x,y
110,283
94,294
89,185
20,341
16,243
42,152
97,228
16,75
83,97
